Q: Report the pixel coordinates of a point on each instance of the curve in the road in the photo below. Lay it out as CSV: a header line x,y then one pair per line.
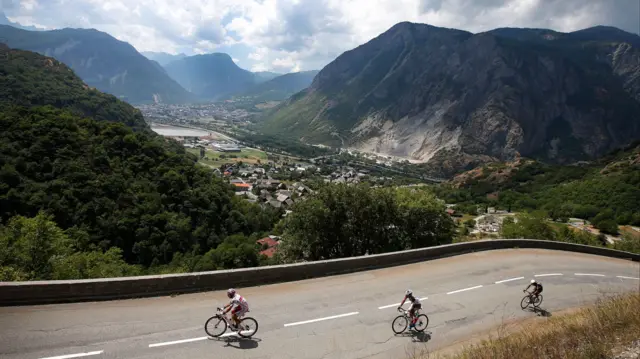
x,y
346,316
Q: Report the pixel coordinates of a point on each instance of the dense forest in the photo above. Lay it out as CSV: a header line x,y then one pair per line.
x,y
606,192
103,188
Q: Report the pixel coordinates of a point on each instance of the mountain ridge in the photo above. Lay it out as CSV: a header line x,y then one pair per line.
x,y
456,99
210,76
102,61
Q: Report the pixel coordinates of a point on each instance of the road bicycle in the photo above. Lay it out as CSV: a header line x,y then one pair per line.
x,y
529,299
218,324
401,322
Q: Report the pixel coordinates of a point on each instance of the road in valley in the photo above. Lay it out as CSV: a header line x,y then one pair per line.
x,y
346,316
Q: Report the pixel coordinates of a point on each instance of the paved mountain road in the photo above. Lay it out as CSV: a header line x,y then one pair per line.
x,y
346,316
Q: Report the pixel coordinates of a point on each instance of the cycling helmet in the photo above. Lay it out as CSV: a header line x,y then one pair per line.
x,y
231,292
408,292
533,281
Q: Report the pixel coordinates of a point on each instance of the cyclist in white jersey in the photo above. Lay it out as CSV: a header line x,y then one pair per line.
x,y
238,306
415,305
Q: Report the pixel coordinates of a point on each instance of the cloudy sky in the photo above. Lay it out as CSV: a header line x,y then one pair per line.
x,y
290,35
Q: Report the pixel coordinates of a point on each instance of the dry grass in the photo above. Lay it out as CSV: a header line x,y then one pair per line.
x,y
589,333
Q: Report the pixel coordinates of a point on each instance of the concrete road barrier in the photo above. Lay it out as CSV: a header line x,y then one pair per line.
x,y
61,291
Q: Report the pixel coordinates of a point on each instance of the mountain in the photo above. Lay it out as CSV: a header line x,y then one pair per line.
x,y
210,76
455,99
281,87
262,76
28,79
162,58
5,21
102,62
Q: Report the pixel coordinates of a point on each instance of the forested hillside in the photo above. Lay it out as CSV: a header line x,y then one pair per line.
x,y
114,201
605,190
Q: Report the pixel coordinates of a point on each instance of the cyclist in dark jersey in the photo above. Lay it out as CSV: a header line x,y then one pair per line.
x,y
537,288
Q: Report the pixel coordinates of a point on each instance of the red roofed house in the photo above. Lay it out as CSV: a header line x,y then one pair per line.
x,y
270,245
242,187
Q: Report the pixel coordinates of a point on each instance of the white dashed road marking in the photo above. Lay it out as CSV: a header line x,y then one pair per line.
x,y
465,289
321,319
177,342
589,274
398,304
509,280
190,340
623,277
69,356
547,275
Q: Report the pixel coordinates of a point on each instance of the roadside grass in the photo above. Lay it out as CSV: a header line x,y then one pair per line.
x,y
595,332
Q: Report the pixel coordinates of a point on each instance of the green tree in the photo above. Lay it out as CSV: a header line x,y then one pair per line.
x,y
528,225
28,247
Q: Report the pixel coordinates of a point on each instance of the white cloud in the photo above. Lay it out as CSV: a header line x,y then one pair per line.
x,y
288,35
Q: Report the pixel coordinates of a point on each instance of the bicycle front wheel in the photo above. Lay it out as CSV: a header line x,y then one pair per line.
x,y
525,302
248,326
215,326
422,322
399,324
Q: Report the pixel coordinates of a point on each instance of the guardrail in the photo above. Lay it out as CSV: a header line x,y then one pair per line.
x,y
60,291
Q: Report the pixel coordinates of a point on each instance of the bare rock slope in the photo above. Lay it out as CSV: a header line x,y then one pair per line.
x,y
456,99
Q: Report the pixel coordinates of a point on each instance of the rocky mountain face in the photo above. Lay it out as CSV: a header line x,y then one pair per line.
x,y
281,87
103,62
211,76
454,99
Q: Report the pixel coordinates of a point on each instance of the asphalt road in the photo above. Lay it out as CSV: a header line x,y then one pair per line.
x,y
466,295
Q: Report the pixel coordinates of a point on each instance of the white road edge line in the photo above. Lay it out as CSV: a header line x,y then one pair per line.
x,y
76,355
398,304
465,289
509,280
321,319
589,274
623,277
547,275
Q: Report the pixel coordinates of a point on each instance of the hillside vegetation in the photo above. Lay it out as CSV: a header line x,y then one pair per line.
x,y
607,190
29,80
107,195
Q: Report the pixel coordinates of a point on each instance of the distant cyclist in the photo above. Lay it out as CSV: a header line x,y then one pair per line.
x,y
537,288
238,306
415,305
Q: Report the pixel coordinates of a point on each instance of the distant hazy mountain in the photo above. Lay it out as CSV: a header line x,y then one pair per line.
x,y
455,99
5,21
163,58
262,76
102,62
281,87
210,76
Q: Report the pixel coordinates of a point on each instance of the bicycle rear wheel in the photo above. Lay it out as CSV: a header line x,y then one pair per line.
x,y
248,327
399,324
422,322
537,301
525,302
215,326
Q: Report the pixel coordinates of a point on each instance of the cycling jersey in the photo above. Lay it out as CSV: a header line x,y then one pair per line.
x,y
239,301
413,299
